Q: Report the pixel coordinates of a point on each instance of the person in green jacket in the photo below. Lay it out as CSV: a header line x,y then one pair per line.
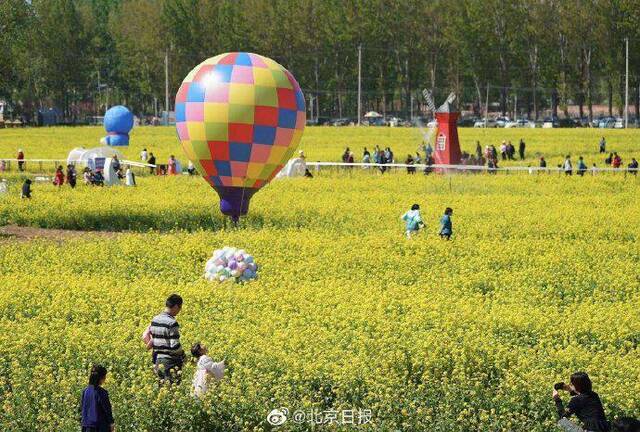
x,y
413,220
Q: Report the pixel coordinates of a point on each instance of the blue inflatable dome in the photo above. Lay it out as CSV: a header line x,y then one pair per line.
x,y
118,122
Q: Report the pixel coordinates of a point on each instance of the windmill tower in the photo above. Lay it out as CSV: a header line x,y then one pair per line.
x,y
447,146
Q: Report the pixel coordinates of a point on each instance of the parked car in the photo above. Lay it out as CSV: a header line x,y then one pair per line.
x,y
619,124
397,121
377,121
502,121
490,123
521,123
341,122
467,121
550,122
607,123
567,123
583,122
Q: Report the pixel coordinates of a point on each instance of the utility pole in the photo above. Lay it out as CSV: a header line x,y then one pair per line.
x,y
359,83
515,107
626,86
411,116
166,83
486,112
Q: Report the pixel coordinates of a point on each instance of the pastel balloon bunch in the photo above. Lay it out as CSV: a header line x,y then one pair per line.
x,y
230,264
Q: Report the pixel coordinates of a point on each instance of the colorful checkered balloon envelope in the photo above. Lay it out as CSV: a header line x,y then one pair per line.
x,y
240,117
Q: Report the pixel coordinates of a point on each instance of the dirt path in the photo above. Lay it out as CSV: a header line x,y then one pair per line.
x,y
19,233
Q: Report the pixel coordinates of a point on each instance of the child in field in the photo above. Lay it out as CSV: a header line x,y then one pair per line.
x,y
59,177
412,220
205,368
26,189
446,228
95,406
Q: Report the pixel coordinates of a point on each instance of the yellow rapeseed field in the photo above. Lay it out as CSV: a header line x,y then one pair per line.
x,y
540,279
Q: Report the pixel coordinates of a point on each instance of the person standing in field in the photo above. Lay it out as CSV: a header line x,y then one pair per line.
x,y
388,155
609,160
167,352
521,148
171,165
366,158
95,407
152,161
413,220
345,155
383,160
130,177
26,189
494,152
58,180
350,159
603,145
503,150
20,160
478,150
205,368
410,161
616,161
71,176
633,166
582,167
366,154
568,168
511,151
446,228
543,163
428,150
144,155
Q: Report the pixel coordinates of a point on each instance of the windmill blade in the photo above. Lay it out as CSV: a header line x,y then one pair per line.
x,y
451,97
429,98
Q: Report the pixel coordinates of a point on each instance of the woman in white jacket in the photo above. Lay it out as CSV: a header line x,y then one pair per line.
x,y
205,368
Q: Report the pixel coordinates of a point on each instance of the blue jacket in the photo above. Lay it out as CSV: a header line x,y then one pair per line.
x,y
445,225
96,408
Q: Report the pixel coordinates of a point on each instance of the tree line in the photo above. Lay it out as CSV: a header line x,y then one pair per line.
x,y
79,55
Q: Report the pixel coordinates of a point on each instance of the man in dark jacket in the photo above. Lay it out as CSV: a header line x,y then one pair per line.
x,y
26,189
151,161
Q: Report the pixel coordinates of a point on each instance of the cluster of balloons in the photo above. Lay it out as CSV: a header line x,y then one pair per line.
x,y
231,264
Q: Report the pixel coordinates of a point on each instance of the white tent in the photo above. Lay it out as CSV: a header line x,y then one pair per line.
x,y
82,156
372,114
294,168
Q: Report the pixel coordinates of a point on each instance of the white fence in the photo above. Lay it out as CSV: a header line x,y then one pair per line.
x,y
463,168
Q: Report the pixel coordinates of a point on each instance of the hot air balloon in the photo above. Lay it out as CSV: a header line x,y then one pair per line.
x,y
240,117
118,122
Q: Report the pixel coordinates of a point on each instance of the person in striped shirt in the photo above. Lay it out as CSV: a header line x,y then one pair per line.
x,y
168,354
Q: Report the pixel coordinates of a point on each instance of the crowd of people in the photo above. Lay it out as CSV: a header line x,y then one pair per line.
x,y
489,157
96,176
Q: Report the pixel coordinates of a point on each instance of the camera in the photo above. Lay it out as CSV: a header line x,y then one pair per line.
x,y
559,386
